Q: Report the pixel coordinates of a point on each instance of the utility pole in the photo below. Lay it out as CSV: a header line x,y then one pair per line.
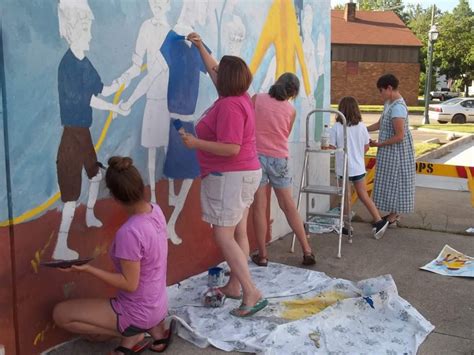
x,y
432,37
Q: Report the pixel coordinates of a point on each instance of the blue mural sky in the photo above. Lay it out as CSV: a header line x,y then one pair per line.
x,y
33,50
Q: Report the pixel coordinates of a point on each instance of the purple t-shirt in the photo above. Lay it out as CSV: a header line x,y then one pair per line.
x,y
229,120
143,238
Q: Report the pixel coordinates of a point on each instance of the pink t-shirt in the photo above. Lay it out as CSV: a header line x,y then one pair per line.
x,y
273,125
142,238
229,120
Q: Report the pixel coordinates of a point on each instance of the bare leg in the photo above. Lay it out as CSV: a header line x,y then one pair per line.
x,y
180,201
288,206
237,260
260,220
94,184
151,172
361,190
348,201
86,316
232,288
61,250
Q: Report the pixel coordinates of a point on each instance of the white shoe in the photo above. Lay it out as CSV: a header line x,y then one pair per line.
x,y
172,235
65,254
91,219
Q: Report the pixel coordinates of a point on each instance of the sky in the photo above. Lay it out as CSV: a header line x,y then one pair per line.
x,y
443,5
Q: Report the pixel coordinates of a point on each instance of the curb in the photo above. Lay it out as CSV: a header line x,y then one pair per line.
x,y
437,153
422,129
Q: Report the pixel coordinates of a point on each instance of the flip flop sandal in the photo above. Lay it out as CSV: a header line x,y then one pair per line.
x,y
249,311
309,259
137,349
164,341
258,260
239,297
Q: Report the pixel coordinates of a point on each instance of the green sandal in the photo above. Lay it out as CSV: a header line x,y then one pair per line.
x,y
249,311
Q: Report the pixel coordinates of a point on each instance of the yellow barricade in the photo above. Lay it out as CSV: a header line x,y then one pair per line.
x,y
424,168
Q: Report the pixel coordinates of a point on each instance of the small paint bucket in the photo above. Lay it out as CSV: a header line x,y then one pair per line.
x,y
215,277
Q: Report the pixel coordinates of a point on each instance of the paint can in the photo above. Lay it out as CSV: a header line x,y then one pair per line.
x,y
215,277
213,298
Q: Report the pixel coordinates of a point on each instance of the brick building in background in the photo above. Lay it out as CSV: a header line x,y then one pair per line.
x,y
367,44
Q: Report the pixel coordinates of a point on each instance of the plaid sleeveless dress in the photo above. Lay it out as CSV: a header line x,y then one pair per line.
x,y
394,186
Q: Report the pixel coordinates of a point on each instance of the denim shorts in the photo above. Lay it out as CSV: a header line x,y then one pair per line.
x,y
275,171
354,178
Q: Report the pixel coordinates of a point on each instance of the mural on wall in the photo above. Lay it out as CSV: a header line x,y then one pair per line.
x,y
113,76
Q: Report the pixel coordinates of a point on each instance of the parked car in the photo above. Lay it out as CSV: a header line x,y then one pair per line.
x,y
459,110
443,94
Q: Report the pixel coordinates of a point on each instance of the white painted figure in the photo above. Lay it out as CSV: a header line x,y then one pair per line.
x,y
234,36
156,119
78,87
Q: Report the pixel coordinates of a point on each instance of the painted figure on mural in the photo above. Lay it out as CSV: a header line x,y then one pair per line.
x,y
283,32
79,85
185,65
171,86
154,84
234,33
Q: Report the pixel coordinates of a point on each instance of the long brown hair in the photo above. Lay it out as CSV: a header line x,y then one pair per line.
x,y
350,108
124,181
233,76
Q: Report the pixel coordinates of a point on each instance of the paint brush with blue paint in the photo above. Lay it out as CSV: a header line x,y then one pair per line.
x,y
179,126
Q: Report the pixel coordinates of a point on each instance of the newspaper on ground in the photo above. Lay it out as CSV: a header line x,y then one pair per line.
x,y
451,262
322,224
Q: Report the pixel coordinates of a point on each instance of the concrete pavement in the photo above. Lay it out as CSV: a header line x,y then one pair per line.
x,y
444,301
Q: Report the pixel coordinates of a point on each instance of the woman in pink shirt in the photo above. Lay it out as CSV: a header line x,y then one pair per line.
x,y
274,116
230,171
139,253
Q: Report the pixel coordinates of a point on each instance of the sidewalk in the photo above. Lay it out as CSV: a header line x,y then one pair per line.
x,y
445,301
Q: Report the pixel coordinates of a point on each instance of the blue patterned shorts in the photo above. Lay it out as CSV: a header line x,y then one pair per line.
x,y
275,171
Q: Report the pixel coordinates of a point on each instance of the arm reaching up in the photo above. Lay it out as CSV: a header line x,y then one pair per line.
x,y
209,61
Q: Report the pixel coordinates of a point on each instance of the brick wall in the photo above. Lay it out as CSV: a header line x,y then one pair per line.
x,y
358,79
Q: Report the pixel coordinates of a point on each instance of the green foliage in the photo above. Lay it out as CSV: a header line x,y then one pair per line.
x,y
382,5
454,50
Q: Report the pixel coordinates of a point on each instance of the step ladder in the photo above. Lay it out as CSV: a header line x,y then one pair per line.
x,y
308,189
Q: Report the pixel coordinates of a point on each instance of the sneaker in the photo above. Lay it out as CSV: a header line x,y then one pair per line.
x,y
345,231
379,228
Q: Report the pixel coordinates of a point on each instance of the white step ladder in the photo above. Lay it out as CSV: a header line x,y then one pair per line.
x,y
307,189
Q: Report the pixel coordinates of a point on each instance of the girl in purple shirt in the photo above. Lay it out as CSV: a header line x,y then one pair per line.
x,y
230,171
139,254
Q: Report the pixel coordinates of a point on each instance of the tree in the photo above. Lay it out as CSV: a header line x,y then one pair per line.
x,y
383,5
454,50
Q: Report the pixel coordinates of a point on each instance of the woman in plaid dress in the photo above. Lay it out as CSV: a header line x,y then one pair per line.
x,y
394,187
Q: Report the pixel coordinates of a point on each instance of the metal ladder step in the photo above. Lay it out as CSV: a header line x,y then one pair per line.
x,y
322,190
324,151
324,214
